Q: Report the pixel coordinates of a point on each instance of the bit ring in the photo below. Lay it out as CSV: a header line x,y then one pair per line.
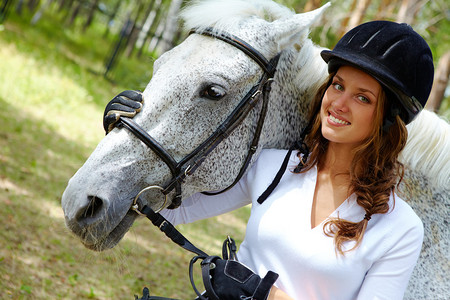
x,y
135,205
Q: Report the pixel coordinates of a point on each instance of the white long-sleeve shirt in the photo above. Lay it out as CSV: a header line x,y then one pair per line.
x,y
279,237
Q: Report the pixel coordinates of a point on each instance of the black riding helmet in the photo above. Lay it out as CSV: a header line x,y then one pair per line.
x,y
395,55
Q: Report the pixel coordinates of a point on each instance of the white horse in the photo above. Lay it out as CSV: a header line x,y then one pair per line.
x,y
194,88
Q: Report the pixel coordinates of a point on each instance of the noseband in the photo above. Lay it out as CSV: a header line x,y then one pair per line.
x,y
189,164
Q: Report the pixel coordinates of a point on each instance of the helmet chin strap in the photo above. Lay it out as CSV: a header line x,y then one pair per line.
x,y
390,117
392,110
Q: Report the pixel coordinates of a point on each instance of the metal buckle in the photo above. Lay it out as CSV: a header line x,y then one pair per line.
x,y
255,94
164,223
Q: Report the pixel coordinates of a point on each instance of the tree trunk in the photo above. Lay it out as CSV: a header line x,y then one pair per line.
x,y
33,4
440,83
74,14
134,31
345,20
19,7
357,16
386,9
117,48
408,11
157,29
92,10
154,18
65,4
149,18
311,5
153,46
37,16
171,26
111,18
4,10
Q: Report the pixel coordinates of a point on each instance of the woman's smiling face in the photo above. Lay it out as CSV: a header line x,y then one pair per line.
x,y
348,106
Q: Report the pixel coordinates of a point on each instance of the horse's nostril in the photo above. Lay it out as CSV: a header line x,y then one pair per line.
x,y
92,210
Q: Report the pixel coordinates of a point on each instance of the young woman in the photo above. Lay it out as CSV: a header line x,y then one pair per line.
x,y
333,227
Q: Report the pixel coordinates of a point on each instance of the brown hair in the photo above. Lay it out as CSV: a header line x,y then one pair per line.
x,y
375,171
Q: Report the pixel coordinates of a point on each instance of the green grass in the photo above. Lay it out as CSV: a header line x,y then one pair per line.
x,y
52,96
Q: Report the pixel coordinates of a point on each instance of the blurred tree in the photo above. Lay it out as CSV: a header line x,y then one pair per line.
x,y
440,83
408,10
171,26
37,16
155,27
4,9
93,7
311,5
158,31
74,13
136,28
149,19
357,14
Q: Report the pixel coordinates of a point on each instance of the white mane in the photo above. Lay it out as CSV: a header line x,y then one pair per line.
x,y
221,14
428,148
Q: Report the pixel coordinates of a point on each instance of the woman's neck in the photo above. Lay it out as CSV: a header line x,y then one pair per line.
x,y
337,160
333,182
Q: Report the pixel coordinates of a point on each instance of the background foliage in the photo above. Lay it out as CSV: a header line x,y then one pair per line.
x,y
53,90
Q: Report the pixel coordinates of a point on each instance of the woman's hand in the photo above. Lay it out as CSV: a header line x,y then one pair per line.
x,y
127,104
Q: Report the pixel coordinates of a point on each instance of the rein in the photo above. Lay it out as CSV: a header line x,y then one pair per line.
x,y
189,164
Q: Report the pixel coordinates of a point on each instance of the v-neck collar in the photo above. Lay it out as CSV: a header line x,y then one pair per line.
x,y
338,212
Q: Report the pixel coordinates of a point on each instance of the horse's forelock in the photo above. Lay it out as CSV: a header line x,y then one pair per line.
x,y
223,14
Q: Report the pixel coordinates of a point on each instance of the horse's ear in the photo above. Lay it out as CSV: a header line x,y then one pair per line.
x,y
295,29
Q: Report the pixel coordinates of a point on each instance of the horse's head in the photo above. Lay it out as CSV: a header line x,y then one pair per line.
x,y
194,88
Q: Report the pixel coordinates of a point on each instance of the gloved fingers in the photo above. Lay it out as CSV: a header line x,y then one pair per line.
x,y
124,110
109,121
131,99
113,116
132,95
126,102
121,113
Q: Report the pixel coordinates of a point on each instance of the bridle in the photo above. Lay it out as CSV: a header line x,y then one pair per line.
x,y
189,164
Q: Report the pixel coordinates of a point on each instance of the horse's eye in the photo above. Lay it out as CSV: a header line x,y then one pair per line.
x,y
213,92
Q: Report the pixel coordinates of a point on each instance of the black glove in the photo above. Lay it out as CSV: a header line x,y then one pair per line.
x,y
231,280
127,104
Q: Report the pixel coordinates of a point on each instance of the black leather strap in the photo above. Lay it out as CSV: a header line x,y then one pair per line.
x,y
229,249
241,45
265,285
207,264
255,142
170,231
146,296
191,277
188,165
278,176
